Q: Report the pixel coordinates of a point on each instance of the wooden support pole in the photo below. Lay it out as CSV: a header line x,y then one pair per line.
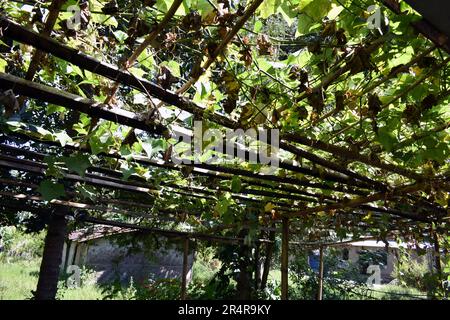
x,y
51,259
244,278
269,253
62,266
320,290
437,254
257,266
284,259
185,268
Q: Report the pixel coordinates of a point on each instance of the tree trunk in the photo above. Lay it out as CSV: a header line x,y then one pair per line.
x,y
51,259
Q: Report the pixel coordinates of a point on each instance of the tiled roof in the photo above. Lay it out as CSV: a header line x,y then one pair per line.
x,y
96,232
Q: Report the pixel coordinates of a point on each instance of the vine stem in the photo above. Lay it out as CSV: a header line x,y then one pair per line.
x,y
147,42
230,35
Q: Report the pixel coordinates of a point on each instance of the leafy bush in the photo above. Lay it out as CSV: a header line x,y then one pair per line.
x,y
339,283
205,266
17,244
416,273
161,289
221,287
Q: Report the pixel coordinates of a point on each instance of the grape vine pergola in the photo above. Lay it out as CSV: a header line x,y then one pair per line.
x,y
88,112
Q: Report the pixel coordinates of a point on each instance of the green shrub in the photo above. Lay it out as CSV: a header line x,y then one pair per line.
x,y
339,283
415,273
162,289
17,244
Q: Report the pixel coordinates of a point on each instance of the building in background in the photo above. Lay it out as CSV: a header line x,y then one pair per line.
x,y
121,254
374,253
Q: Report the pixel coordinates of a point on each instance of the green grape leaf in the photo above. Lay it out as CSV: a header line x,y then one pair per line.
x,y
386,138
236,184
51,190
78,163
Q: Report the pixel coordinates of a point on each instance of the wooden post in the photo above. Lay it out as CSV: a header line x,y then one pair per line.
x,y
71,254
320,291
185,268
257,267
284,259
244,285
51,259
269,253
437,254
62,266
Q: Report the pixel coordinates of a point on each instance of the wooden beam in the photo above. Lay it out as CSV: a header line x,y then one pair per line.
x,y
98,110
83,61
356,202
257,264
30,166
167,233
417,136
284,144
50,22
29,37
423,26
116,181
117,177
157,30
170,233
107,201
73,204
345,153
147,42
204,236
71,101
209,170
436,252
253,6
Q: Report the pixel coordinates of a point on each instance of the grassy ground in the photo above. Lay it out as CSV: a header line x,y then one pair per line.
x,y
18,279
394,292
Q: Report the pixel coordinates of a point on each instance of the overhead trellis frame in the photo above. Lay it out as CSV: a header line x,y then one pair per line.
x,y
97,180
204,170
120,116
120,76
113,181
83,61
